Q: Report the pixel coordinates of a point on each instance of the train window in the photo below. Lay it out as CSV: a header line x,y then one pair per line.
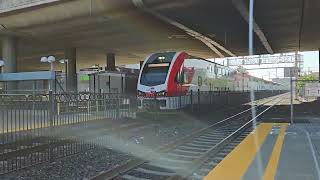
x,y
181,78
185,78
178,78
199,81
211,69
215,69
152,76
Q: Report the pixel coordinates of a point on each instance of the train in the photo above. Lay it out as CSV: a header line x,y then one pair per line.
x,y
166,76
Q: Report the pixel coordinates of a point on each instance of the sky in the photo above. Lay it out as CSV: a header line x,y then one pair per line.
x,y
311,61
310,64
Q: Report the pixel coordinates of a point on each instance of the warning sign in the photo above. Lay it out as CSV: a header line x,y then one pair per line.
x,y
312,89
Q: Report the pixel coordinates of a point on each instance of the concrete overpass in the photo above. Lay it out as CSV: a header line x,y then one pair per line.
x,y
134,28
94,28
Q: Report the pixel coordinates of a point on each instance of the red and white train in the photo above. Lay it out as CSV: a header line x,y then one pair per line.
x,y
170,75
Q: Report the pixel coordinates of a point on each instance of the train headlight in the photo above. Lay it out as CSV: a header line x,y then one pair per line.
x,y
162,93
140,93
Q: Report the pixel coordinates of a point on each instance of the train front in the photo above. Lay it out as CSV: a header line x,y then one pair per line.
x,y
153,80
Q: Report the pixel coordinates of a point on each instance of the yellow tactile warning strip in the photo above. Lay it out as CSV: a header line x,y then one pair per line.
x,y
271,169
235,164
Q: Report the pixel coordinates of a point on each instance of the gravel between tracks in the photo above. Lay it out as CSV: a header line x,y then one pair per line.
x,y
87,164
77,167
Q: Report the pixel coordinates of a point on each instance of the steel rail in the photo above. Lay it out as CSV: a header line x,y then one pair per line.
x,y
215,149
134,163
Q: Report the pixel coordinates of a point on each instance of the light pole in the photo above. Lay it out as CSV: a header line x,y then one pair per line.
x,y
66,62
1,65
51,60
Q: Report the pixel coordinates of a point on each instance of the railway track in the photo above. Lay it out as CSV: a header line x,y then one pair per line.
x,y
23,149
180,159
33,148
214,159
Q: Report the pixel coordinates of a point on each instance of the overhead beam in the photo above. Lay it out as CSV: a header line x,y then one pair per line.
x,y
213,45
6,32
17,5
243,10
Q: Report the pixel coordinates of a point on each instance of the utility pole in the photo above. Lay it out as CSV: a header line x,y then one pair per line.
x,y
291,99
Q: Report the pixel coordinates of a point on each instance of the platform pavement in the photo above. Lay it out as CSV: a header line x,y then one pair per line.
x,y
277,151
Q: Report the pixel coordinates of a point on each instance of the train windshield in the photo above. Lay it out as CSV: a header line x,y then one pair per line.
x,y
156,69
154,74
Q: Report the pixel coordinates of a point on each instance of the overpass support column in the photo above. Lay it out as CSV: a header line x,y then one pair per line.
x,y
111,61
72,80
9,55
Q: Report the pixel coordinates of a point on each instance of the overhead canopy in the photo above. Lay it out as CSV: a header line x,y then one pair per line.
x,y
27,76
100,26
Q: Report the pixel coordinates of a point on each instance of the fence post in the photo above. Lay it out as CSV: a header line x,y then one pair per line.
x,y
191,100
198,99
118,106
129,106
180,103
79,117
97,104
210,95
291,100
88,106
155,106
51,116
105,105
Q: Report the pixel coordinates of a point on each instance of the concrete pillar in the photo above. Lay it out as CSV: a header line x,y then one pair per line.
x,y
9,55
111,62
72,80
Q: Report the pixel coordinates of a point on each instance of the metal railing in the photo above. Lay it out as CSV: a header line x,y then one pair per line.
x,y
43,127
199,101
40,128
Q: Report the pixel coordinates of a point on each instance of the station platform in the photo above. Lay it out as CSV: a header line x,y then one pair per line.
x,y
277,151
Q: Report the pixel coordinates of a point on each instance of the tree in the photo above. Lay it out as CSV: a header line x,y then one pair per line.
x,y
302,80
